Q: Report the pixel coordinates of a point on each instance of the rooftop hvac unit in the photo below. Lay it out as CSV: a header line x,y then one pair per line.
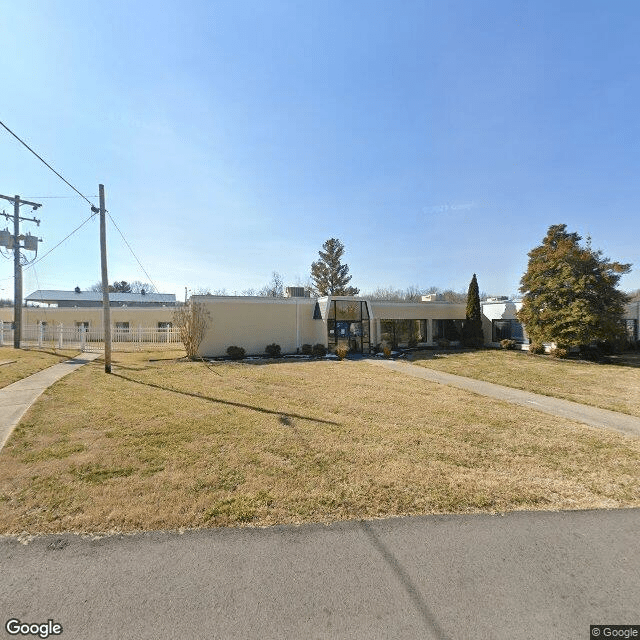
x,y
30,242
295,292
6,239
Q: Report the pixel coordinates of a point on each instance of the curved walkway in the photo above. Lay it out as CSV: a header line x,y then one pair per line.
x,y
16,398
593,416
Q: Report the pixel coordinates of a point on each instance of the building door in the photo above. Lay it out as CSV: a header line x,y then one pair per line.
x,y
348,325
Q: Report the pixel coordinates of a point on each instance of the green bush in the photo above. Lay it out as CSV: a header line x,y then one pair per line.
x,y
307,350
319,350
235,353
508,343
272,350
342,352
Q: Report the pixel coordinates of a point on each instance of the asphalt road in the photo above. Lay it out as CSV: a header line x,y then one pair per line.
x,y
522,575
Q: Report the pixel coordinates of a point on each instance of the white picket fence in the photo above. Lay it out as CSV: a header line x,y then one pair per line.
x,y
92,339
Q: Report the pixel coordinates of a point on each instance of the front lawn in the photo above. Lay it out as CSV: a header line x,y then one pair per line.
x,y
16,364
614,386
170,444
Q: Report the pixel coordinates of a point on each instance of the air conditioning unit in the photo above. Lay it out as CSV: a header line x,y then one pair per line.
x,y
295,292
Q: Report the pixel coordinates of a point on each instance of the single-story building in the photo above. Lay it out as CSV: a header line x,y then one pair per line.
x,y
52,308
254,322
358,323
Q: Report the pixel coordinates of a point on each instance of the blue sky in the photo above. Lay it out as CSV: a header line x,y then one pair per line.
x,y
435,139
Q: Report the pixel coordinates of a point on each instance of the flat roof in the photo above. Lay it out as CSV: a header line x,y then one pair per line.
x,y
52,296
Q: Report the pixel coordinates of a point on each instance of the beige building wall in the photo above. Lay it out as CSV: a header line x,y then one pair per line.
x,y
428,311
253,322
68,316
417,310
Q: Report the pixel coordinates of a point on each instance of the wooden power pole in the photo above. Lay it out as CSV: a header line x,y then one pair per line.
x,y
17,259
17,276
106,315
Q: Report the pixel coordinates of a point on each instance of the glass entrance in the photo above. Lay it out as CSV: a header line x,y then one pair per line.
x,y
348,325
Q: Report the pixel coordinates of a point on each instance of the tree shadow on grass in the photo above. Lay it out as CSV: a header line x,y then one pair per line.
x,y
240,405
627,359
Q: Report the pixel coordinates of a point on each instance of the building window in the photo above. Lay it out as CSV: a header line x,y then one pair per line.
x,y
164,326
507,330
122,327
316,312
632,329
82,324
447,330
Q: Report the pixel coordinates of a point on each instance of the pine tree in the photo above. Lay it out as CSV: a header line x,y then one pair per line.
x,y
331,277
570,294
472,333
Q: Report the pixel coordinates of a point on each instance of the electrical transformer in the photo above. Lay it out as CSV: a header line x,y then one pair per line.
x,y
30,242
6,239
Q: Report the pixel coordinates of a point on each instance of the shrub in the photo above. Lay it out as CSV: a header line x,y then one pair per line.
x,y
591,352
272,350
235,353
307,350
507,343
559,352
386,351
443,343
413,342
535,348
319,350
341,352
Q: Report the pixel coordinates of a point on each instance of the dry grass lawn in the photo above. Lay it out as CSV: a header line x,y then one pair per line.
x,y
608,386
16,364
168,445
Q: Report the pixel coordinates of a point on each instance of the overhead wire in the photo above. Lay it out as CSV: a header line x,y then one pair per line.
x,y
45,162
93,215
132,252
93,209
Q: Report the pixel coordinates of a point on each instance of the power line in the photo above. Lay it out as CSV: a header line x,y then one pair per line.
x,y
132,253
59,243
45,162
93,208
56,197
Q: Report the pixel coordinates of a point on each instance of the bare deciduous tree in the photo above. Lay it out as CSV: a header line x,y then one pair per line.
x,y
191,319
273,289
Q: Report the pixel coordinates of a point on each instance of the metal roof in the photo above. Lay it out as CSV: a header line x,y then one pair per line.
x,y
51,296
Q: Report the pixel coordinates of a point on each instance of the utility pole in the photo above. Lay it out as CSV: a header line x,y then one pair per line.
x,y
106,309
31,243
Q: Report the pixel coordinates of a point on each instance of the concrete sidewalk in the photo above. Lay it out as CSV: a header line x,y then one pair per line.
x,y
594,417
16,398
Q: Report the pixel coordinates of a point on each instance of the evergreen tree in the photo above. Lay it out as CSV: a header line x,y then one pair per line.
x,y
570,294
472,333
331,277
